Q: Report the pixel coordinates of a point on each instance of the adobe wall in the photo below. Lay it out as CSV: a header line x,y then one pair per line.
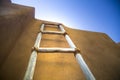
x,y
13,20
18,31
99,51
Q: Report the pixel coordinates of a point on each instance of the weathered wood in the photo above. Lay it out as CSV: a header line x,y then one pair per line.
x,y
71,44
31,66
84,67
61,28
52,26
62,50
56,24
38,40
53,32
42,27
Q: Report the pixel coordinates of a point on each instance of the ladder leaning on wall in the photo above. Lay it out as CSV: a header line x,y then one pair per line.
x,y
32,62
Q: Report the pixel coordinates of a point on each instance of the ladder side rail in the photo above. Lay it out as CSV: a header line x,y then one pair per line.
x,y
83,65
38,40
31,66
42,27
32,61
61,28
39,37
71,44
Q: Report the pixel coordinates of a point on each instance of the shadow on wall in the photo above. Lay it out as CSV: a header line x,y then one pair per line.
x,y
5,1
13,20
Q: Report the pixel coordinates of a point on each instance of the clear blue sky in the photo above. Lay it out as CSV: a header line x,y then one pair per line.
x,y
93,15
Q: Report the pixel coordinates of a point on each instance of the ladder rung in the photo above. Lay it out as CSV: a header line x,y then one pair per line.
x,y
49,50
53,32
52,24
55,26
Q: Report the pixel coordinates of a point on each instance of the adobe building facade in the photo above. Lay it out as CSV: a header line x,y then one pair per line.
x,y
18,31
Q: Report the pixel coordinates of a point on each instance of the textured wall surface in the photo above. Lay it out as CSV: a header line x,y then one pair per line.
x,y
100,53
18,31
13,20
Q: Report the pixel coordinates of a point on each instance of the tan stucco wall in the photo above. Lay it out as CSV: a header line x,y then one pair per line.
x,y
13,19
18,30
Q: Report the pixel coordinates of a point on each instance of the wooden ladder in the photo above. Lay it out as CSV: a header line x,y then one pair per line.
x,y
73,49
